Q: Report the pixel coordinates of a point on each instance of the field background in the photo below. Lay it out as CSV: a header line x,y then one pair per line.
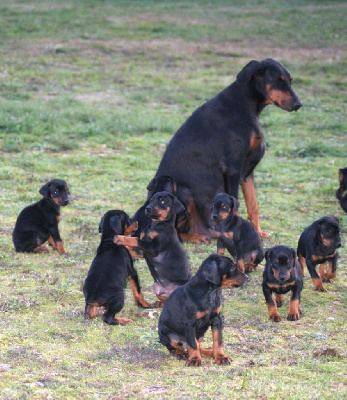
x,y
91,92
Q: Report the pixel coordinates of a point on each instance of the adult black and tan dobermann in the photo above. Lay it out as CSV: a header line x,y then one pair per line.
x,y
38,223
163,252
221,143
282,273
109,271
318,244
194,307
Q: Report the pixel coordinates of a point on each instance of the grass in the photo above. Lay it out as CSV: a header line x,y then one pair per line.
x,y
91,92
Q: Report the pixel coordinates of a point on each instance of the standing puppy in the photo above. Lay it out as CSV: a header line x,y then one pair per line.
x,y
194,307
38,222
164,254
318,244
282,273
236,234
112,265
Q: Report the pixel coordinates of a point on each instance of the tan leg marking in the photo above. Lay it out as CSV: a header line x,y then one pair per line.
x,y
138,297
41,249
279,299
273,313
302,262
294,310
252,205
218,354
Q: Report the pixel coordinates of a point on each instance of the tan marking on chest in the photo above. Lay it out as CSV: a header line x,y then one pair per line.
x,y
255,141
201,314
276,286
153,234
229,235
320,258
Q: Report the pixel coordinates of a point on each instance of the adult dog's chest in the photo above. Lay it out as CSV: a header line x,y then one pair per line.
x,y
254,149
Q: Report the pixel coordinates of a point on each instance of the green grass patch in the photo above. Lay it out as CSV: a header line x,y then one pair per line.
x,y
92,92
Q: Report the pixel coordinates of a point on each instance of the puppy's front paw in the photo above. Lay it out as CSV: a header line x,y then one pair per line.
x,y
223,360
119,239
194,362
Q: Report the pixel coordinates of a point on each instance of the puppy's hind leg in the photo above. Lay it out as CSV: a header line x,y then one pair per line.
x,y
110,316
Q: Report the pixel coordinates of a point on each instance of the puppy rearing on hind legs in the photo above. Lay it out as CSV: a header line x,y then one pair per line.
x,y
164,254
112,265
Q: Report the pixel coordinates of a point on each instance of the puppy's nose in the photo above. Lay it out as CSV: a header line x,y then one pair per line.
x,y
338,244
148,209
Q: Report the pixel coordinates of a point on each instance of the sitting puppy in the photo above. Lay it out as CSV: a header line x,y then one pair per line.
x,y
236,234
194,307
103,287
317,245
341,193
161,184
38,222
282,273
163,252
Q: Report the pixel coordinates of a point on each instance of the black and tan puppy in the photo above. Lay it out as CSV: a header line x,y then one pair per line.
x,y
111,267
160,184
163,252
194,307
282,273
38,222
236,234
341,193
318,244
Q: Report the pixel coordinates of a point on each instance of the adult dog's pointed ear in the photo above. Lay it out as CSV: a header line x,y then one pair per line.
x,y
246,73
177,206
44,191
210,272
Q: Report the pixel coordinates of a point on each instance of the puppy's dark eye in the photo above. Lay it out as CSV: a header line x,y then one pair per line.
x,y
161,201
55,192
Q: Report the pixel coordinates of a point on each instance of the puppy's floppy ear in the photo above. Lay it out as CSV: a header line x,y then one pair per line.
x,y
101,224
340,175
268,253
44,191
210,272
235,203
116,224
293,252
151,184
177,206
169,185
246,73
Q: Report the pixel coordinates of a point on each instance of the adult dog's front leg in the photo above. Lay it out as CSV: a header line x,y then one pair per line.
x,y
252,205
